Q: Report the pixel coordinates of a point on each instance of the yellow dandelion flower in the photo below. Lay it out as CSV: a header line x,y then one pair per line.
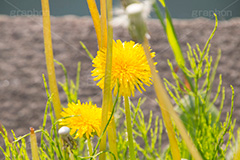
x,y
129,67
83,119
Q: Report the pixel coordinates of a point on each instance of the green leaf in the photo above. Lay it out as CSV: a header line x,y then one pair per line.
x,y
163,3
159,15
172,38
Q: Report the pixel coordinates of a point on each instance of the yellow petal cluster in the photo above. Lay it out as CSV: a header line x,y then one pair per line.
x,y
83,119
129,67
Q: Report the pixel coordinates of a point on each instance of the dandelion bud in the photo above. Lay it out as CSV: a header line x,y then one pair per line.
x,y
137,26
63,131
134,8
67,139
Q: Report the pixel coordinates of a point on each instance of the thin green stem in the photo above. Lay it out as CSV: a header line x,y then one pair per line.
x,y
198,112
129,128
71,156
211,36
66,80
90,149
2,130
77,82
87,51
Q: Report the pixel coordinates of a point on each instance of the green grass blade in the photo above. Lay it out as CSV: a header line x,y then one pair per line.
x,y
159,15
163,3
173,41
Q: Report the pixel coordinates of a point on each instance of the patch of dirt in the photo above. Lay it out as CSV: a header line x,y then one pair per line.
x,y
22,62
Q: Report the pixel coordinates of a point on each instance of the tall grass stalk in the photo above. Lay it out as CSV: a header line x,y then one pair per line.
x,y
49,58
103,20
96,19
166,107
112,139
106,36
34,147
164,102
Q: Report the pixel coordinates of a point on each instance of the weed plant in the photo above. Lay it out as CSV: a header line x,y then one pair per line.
x,y
193,125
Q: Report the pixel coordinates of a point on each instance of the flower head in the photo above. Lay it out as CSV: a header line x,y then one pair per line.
x,y
129,67
83,119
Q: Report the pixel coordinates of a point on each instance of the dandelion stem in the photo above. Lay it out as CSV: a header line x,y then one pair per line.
x,y
129,128
71,156
167,111
49,58
90,149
